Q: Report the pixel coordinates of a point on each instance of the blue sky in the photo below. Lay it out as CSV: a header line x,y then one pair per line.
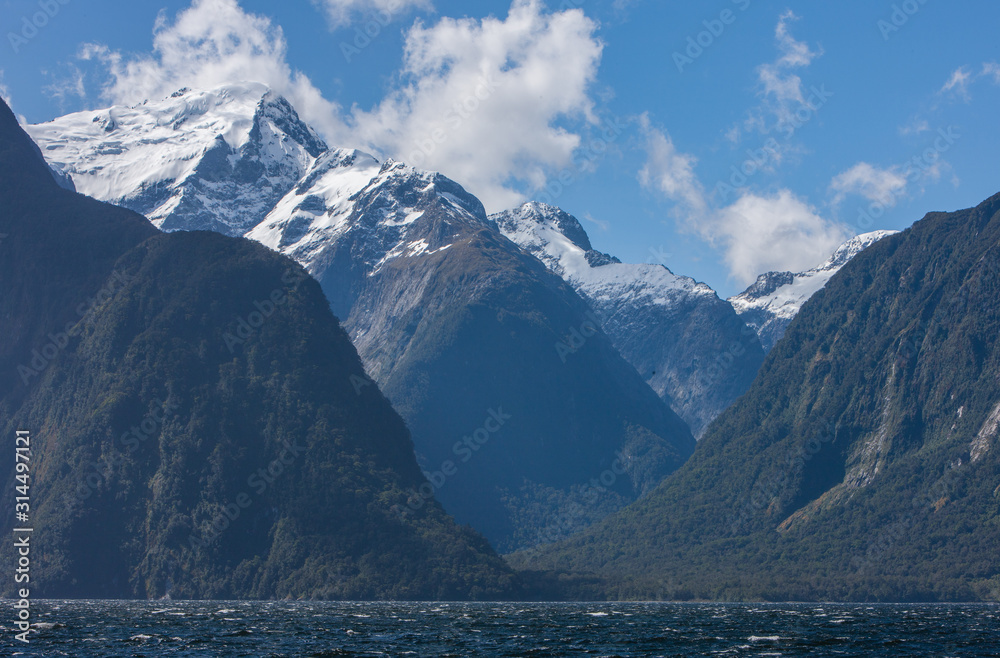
x,y
847,116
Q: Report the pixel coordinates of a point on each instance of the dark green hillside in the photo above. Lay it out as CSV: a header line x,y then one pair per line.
x,y
863,463
210,385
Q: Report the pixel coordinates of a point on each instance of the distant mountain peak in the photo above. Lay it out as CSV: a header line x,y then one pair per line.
x,y
213,159
770,302
671,328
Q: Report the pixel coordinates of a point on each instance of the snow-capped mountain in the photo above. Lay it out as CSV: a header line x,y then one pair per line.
x,y
514,398
458,326
776,297
216,160
687,343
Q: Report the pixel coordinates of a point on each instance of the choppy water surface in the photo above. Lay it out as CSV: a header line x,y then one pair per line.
x,y
273,629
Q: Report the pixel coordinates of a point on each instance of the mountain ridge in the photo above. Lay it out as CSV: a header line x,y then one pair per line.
x,y
861,464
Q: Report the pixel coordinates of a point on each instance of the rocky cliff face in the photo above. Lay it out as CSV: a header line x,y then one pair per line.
x,y
454,322
863,462
200,425
688,344
476,343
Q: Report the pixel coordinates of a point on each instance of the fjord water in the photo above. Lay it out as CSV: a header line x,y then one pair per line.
x,y
319,629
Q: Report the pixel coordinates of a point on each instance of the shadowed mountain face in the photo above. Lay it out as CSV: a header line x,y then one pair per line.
x,y
863,463
688,344
517,401
200,424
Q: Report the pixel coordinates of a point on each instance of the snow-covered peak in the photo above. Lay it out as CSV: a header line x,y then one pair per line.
x,y
222,156
318,207
852,248
771,302
533,220
559,240
347,193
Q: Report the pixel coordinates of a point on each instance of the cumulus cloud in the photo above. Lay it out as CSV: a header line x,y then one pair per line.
x,y
756,233
483,101
212,43
882,186
4,92
342,12
774,233
671,172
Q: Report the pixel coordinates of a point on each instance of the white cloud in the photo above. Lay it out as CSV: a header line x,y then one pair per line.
x,y
341,12
480,101
671,172
882,186
992,69
600,223
915,127
483,99
756,233
212,43
773,233
958,83
4,91
780,87
65,87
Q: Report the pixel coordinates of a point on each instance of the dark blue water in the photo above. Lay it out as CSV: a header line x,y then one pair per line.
x,y
272,629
